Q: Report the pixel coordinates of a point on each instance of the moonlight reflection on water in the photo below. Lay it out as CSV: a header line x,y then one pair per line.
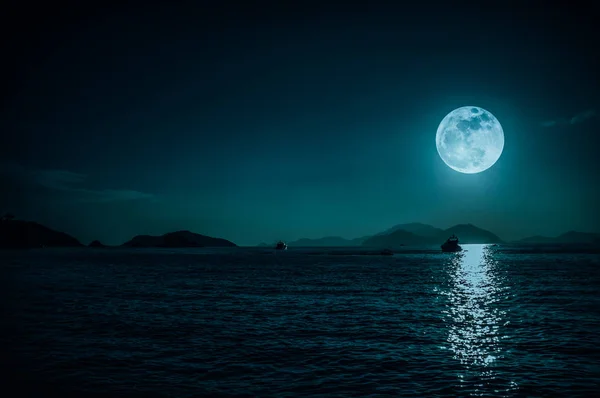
x,y
476,326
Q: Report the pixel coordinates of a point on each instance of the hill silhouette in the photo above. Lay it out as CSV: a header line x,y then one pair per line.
x,y
27,234
467,233
536,239
416,228
18,234
398,238
178,239
405,234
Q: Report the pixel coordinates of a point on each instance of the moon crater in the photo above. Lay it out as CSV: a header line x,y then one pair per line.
x,y
470,139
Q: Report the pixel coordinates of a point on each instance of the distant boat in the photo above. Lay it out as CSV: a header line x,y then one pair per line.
x,y
281,246
451,245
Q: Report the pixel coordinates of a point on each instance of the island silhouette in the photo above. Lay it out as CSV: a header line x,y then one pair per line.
x,y
178,239
16,234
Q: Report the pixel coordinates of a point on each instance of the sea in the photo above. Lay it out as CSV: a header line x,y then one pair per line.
x,y
491,321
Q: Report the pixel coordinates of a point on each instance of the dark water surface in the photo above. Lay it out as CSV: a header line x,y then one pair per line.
x,y
245,322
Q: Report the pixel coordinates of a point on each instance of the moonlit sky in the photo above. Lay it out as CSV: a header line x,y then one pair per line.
x,y
261,123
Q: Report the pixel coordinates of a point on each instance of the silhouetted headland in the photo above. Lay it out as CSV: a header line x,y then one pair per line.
x,y
18,234
178,239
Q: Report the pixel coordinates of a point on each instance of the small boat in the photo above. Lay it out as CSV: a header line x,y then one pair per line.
x,y
451,245
281,246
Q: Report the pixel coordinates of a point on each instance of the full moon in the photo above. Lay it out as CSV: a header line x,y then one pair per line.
x,y
470,139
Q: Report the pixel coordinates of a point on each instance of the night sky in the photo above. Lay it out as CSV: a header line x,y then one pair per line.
x,y
256,123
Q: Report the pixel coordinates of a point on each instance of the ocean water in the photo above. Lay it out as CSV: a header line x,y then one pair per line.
x,y
491,321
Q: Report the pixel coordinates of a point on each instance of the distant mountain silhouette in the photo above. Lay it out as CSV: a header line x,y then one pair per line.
x,y
96,243
26,234
567,237
405,234
328,241
178,239
536,239
398,238
467,233
415,228
578,237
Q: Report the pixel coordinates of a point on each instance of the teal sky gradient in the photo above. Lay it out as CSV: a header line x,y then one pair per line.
x,y
287,125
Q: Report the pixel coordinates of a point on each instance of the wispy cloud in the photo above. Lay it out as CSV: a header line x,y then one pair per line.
x,y
549,123
578,118
70,182
57,179
72,185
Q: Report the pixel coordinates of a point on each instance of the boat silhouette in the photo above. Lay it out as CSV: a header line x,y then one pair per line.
x,y
281,246
451,245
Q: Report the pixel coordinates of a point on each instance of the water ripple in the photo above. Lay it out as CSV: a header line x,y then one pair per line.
x,y
486,322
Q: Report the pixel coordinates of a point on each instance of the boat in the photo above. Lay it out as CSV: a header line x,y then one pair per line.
x,y
281,246
451,245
